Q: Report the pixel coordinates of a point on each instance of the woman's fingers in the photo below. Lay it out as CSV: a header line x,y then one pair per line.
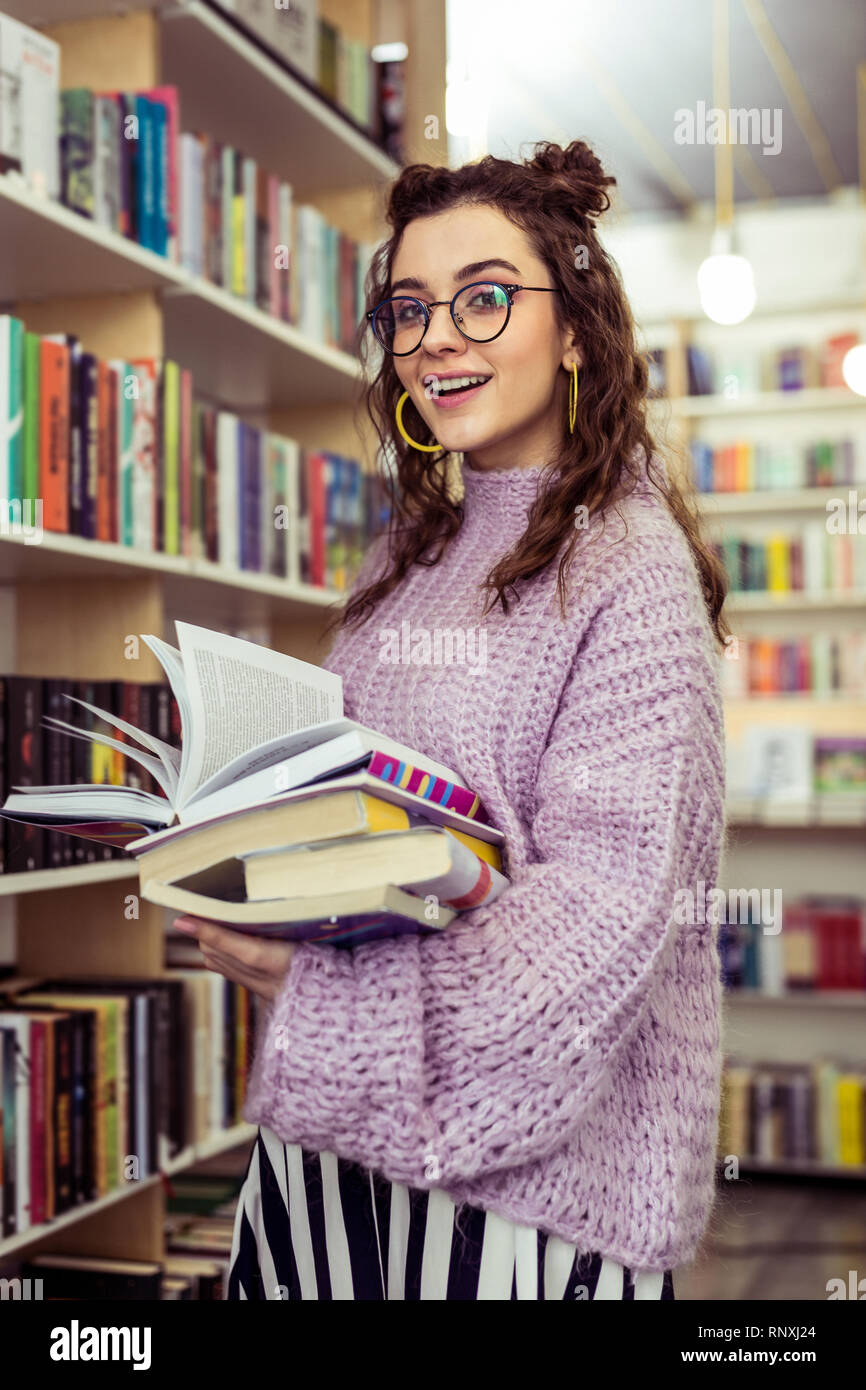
x,y
259,965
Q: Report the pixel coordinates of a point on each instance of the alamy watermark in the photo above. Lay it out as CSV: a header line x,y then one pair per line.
x,y
737,905
738,125
16,518
444,646
846,519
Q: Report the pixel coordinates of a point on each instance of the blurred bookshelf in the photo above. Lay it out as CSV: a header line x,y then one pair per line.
x,y
273,356
776,445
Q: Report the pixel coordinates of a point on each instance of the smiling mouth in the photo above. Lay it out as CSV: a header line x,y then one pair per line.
x,y
453,390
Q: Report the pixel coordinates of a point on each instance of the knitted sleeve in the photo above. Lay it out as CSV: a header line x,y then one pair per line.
x,y
484,1048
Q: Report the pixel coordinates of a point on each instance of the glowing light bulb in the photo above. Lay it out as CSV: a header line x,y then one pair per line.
x,y
854,368
726,285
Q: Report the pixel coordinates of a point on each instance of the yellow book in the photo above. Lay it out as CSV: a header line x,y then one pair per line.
x,y
302,821
849,1096
744,467
825,1075
778,564
239,282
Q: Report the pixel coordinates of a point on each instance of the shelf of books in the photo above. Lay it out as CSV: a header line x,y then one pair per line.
x,y
181,291
777,447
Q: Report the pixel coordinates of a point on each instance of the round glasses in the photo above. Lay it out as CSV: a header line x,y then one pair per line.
x,y
480,312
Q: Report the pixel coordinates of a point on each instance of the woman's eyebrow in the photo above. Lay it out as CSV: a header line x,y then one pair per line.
x,y
411,282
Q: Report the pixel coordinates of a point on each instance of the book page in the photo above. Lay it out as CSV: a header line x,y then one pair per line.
x,y
241,695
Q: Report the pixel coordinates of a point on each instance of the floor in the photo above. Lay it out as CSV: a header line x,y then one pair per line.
x,y
779,1238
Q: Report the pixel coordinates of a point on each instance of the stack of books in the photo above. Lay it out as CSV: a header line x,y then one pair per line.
x,y
277,815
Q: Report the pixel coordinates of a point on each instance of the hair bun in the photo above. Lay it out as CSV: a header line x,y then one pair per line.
x,y
578,171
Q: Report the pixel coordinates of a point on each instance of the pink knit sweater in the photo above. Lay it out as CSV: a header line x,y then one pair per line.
x,y
555,1057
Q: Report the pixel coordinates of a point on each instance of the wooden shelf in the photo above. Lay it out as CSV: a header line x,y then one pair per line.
x,y
39,880
718,504
192,586
194,1153
48,250
240,357
234,91
244,359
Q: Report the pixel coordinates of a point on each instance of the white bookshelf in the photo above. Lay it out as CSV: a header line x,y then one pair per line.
x,y
814,848
765,601
188,582
239,355
40,880
777,501
240,93
49,250
70,600
233,89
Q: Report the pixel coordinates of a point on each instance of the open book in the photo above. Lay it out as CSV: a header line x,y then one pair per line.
x,y
254,724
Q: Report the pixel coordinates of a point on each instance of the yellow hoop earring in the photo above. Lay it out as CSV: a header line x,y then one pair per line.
x,y
572,398
427,448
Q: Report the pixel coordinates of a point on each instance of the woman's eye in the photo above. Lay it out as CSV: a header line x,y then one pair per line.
x,y
409,313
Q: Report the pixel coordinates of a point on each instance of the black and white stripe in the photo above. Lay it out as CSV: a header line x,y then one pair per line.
x,y
315,1226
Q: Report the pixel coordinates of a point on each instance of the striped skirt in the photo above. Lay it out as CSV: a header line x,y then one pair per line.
x,y
315,1226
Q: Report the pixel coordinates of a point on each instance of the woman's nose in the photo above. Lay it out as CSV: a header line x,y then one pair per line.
x,y
442,330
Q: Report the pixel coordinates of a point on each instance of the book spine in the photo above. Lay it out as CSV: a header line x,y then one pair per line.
x,y
8,1074
32,412
90,442
25,844
38,1209
414,779
144,452
103,434
76,150
12,412
62,1115
114,386
126,488
171,454
54,435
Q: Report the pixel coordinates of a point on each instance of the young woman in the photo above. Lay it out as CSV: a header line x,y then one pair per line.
x,y
525,1105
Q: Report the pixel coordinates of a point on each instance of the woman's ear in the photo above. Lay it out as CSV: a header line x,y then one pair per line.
x,y
572,354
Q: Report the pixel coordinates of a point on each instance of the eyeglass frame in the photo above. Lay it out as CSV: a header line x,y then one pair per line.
x,y
510,291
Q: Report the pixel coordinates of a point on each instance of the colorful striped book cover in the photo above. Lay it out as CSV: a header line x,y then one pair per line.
x,y
413,779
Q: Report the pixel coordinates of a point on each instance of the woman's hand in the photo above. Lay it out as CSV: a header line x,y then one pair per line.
x,y
258,964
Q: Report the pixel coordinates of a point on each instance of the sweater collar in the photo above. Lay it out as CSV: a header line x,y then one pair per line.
x,y
500,497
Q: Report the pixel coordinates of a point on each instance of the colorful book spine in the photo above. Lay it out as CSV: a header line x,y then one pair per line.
x,y
448,794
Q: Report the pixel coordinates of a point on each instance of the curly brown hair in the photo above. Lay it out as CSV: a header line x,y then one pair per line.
x,y
553,197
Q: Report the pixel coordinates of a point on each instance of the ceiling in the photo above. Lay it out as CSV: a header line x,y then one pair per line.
x,y
615,72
